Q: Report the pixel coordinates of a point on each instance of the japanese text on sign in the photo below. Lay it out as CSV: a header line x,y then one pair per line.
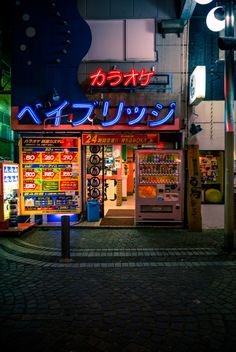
x,y
116,77
136,114
105,139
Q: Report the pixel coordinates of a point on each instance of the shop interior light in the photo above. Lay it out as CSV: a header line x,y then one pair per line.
x,y
215,19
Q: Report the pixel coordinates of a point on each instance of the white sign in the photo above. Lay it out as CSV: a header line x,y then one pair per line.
x,y
197,85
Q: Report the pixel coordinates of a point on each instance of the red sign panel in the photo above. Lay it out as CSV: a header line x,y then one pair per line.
x,y
68,185
106,139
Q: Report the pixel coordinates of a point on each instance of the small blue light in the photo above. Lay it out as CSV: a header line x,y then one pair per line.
x,y
38,106
155,113
128,111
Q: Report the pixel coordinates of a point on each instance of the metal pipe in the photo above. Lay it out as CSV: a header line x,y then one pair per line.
x,y
229,131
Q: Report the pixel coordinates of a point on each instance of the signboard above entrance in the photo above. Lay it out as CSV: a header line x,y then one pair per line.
x,y
107,139
92,113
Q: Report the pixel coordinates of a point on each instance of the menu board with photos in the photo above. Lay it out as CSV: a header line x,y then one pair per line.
x,y
211,169
50,175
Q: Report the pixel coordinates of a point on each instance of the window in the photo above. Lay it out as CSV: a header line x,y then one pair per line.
x,y
122,40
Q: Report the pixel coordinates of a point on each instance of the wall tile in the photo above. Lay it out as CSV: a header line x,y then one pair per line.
x,y
145,8
122,9
210,138
212,216
98,10
169,59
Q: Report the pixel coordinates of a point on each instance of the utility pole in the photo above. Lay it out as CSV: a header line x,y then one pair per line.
x,y
228,43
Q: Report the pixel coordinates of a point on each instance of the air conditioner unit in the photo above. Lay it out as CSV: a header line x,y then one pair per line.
x,y
171,26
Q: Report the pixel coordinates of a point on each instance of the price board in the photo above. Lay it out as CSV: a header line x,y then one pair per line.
x,y
49,183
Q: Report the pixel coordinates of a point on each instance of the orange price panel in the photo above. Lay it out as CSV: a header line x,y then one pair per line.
x,y
29,158
32,186
50,174
31,174
66,173
50,157
69,157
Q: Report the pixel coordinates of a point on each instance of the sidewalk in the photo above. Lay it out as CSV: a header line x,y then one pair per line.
x,y
93,247
114,237
124,290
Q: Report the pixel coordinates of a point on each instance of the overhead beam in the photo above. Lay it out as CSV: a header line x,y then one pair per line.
x,y
188,7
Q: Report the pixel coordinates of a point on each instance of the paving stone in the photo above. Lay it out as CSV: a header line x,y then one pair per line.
x,y
178,303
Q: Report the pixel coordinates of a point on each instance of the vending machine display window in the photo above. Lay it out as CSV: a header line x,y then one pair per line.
x,y
9,185
159,185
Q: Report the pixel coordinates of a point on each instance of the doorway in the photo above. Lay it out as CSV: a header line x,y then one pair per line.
x,y
110,178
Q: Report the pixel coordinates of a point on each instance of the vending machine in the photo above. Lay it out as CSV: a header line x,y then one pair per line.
x,y
159,185
9,185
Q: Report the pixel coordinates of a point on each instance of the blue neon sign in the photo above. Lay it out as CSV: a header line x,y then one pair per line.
x,y
136,114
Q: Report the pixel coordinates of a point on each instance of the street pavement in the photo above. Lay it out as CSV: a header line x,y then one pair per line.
x,y
126,290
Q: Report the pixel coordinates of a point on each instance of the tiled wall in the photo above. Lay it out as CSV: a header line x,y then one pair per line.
x,y
171,51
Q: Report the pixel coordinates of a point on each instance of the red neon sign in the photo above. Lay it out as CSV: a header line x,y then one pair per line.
x,y
116,77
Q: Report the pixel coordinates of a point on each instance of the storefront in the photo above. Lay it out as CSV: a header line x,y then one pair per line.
x,y
135,175
135,169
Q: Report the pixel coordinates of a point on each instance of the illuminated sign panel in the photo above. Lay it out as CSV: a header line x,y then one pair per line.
x,y
50,175
82,113
197,85
108,139
100,114
115,77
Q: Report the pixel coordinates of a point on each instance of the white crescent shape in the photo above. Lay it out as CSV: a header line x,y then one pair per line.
x,y
203,2
212,23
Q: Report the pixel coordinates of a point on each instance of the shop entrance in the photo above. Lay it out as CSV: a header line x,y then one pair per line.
x,y
136,177
110,179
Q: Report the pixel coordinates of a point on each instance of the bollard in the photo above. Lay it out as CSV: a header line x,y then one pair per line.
x,y
65,238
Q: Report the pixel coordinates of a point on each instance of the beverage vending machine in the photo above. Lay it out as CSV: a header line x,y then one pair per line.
x,y
159,185
9,185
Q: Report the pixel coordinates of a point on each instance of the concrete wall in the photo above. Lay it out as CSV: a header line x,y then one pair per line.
x,y
210,116
171,51
212,216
